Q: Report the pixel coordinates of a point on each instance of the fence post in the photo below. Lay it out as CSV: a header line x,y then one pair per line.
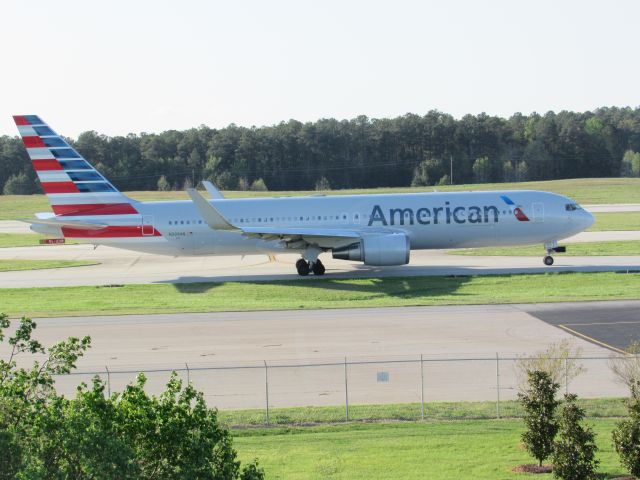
x,y
422,386
108,380
188,373
346,390
266,389
566,376
497,385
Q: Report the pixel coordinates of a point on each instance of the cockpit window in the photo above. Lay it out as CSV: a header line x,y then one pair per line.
x,y
570,207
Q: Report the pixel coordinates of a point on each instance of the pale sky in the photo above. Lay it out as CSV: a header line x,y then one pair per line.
x,y
123,66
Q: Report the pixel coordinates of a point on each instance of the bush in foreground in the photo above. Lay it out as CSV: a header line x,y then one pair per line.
x,y
575,449
539,404
626,436
127,435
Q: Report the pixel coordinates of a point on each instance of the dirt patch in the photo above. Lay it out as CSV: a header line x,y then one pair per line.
x,y
532,469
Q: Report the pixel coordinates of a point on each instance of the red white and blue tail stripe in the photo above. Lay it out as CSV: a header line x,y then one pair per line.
x,y
72,185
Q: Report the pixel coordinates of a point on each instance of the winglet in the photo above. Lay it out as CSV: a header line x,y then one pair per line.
x,y
209,213
213,192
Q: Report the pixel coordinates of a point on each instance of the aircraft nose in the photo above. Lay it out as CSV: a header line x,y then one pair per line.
x,y
587,219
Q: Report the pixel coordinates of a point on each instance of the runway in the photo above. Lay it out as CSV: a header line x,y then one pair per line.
x,y
304,352
125,267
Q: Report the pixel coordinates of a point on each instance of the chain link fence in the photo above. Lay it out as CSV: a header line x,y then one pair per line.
x,y
421,381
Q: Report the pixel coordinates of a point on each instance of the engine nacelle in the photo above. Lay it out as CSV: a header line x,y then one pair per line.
x,y
378,250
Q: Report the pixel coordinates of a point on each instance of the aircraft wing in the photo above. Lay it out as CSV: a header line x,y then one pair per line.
x,y
322,237
292,236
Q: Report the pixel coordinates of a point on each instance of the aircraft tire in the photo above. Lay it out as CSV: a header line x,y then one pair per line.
x,y
318,268
548,260
303,268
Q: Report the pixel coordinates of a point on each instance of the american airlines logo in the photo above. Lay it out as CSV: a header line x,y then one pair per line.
x,y
444,215
434,216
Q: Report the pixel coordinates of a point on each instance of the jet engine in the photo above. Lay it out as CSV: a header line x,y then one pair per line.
x,y
378,250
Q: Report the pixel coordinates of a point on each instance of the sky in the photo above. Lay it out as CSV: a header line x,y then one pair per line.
x,y
131,66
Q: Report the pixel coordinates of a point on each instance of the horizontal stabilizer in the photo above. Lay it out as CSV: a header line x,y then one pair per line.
x,y
209,213
52,222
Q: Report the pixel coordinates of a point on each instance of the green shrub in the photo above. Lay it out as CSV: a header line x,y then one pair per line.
x,y
575,449
626,436
539,404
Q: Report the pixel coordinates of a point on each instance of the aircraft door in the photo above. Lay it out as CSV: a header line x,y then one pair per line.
x,y
147,225
538,212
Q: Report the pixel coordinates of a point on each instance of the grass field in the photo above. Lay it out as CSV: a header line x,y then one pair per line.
x,y
485,449
586,191
19,239
615,221
574,249
24,240
441,411
319,293
10,265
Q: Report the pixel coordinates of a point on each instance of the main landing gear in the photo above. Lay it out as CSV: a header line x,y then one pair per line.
x,y
304,267
548,260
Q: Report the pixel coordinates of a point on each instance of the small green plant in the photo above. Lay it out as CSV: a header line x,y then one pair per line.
x,y
575,449
539,404
626,436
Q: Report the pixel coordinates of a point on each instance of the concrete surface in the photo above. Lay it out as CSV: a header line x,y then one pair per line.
x,y
611,324
225,353
613,207
126,267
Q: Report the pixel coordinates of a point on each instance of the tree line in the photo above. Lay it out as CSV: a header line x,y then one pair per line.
x,y
362,152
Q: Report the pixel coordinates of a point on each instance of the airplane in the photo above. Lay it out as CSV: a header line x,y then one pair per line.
x,y
377,229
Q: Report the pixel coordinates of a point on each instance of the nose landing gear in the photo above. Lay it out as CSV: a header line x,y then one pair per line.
x,y
304,267
551,248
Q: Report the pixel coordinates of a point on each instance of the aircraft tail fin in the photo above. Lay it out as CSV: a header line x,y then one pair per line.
x,y
72,185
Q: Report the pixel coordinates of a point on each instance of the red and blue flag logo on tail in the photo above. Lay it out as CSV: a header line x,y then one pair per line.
x,y
72,185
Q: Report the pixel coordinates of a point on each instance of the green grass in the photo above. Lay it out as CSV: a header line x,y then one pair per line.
x,y
24,240
11,265
573,249
319,293
441,411
615,221
19,239
584,190
483,449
